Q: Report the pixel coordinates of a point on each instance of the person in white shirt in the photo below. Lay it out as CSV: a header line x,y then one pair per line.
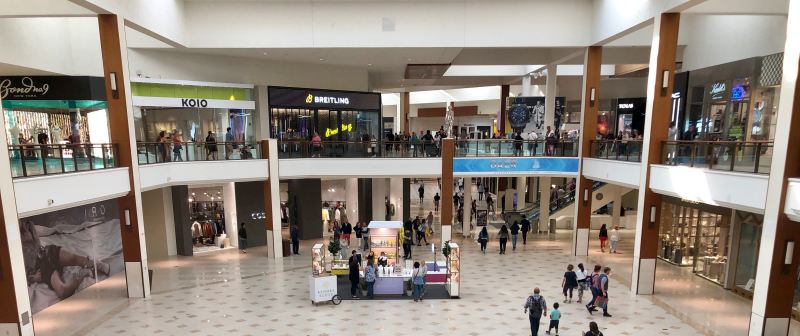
x,y
672,136
582,274
614,237
533,137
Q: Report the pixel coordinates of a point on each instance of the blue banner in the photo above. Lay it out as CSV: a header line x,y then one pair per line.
x,y
516,166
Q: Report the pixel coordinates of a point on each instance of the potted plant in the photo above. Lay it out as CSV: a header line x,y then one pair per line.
x,y
363,288
409,288
446,249
334,247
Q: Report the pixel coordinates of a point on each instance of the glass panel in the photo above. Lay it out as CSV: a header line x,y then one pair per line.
x,y
711,245
748,257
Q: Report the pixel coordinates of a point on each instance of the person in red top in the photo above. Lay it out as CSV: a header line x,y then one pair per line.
x,y
316,145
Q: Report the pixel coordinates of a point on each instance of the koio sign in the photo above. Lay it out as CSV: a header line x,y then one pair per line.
x,y
193,103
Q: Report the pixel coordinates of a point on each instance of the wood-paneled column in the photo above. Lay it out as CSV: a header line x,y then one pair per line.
x,y
505,90
446,205
656,127
272,199
406,105
776,280
120,120
592,60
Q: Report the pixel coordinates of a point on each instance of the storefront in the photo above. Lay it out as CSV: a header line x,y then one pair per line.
x,y
735,101
296,113
748,227
192,109
64,108
630,116
696,235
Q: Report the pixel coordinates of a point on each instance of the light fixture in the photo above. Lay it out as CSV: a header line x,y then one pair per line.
x,y
788,255
113,78
320,59
127,217
591,97
369,64
652,217
585,196
664,82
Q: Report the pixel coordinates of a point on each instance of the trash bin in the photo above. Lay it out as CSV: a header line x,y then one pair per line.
x,y
552,226
287,247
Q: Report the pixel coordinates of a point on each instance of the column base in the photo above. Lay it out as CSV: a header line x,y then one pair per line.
x,y
643,277
275,245
134,277
581,242
447,233
17,329
760,326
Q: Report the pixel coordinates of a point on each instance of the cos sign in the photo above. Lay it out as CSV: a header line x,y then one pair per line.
x,y
194,102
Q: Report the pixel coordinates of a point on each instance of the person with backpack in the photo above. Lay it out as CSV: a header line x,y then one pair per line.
x,y
421,191
582,274
603,289
483,238
592,282
537,306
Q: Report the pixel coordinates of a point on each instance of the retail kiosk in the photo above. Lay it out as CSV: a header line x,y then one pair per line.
x,y
453,271
322,285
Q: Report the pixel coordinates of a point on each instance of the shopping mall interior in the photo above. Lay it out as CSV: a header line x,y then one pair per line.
x,y
260,167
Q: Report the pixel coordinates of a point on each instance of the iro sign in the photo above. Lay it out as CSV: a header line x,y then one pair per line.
x,y
189,102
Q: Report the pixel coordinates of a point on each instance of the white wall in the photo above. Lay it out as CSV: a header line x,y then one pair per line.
x,y
160,175
612,171
792,207
337,193
33,193
612,19
718,39
66,46
163,19
212,68
364,168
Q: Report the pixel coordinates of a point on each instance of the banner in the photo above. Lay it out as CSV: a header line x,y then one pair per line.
x,y
68,250
535,110
515,166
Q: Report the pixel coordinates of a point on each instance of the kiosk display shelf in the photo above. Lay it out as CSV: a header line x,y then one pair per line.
x,y
384,237
340,267
453,271
317,260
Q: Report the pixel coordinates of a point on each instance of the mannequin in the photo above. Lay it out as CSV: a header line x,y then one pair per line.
x,y
55,131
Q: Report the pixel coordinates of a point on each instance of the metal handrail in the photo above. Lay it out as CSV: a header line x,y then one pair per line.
x,y
742,156
623,150
355,149
516,148
168,151
50,159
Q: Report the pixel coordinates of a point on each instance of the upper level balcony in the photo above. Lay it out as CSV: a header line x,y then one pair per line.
x,y
163,152
516,148
36,160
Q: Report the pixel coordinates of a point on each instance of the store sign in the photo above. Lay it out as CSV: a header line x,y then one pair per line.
x,y
193,103
717,91
305,98
345,128
516,166
676,95
738,93
258,215
625,106
52,88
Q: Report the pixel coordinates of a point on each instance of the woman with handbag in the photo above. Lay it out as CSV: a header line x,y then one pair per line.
x,y
417,279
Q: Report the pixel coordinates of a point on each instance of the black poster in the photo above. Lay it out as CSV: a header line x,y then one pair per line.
x,y
52,88
315,98
482,217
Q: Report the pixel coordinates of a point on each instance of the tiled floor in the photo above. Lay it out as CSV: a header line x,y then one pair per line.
x,y
228,293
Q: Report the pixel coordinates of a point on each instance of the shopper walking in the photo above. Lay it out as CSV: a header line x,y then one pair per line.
x,y
430,219
526,226
581,274
603,237
503,236
162,147
594,330
337,231
211,146
614,237
176,147
316,145
347,230
295,235
370,275
407,244
415,142
456,200
483,238
359,231
229,139
604,280
534,142
423,269
474,208
489,203
436,202
365,234
569,282
421,191
480,191
416,279
518,144
514,231
243,239
535,307
421,229
592,282
355,268
555,316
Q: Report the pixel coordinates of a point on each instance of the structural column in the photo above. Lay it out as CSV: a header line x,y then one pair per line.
x,y
351,199
467,206
522,184
396,198
550,97
405,105
656,127
617,210
526,85
379,193
501,120
120,120
775,278
544,203
447,190
592,60
509,194
272,200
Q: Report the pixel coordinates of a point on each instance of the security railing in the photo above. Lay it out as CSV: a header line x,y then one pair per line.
x,y
739,156
622,150
516,148
160,152
292,149
36,160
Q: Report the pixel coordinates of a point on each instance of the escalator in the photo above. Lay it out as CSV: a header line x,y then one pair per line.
x,y
556,206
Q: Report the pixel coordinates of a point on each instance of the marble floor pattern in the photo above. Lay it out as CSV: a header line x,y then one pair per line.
x,y
229,293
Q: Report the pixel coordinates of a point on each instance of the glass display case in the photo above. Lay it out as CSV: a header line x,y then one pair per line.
x,y
453,271
678,229
317,260
385,240
340,267
711,246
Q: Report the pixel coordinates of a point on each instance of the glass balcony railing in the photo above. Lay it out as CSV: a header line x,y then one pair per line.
x,y
516,148
38,160
739,156
160,152
622,150
294,149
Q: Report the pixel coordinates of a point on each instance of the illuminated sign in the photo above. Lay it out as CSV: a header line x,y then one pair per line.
x,y
676,95
717,90
327,100
345,128
626,106
738,93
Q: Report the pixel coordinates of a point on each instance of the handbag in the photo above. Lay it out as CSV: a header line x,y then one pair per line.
x,y
601,302
420,282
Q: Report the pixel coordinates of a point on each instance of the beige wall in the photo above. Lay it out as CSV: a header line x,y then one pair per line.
x,y
159,224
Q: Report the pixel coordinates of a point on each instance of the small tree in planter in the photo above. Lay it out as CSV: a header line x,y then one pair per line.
x,y
409,288
446,249
334,247
364,288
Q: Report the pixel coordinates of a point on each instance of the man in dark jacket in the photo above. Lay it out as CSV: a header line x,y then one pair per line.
x,y
347,229
295,235
514,231
526,226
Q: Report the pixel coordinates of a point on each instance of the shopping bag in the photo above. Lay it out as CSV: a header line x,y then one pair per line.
x,y
601,302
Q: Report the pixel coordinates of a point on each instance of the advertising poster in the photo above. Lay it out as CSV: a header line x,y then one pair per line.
x,y
68,250
482,218
527,113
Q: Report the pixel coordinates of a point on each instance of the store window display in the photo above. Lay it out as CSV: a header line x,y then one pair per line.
x,y
207,214
747,257
193,124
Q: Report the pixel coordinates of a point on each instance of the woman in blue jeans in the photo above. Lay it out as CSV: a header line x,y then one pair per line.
x,y
370,275
354,277
419,282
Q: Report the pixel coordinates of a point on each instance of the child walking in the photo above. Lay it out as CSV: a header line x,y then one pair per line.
x,y
555,315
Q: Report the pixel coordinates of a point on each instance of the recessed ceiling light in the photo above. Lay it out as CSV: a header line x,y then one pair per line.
x,y
369,64
265,53
320,59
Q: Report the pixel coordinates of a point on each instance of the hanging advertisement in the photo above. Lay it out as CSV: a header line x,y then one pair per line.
x,y
69,250
482,217
515,166
527,113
